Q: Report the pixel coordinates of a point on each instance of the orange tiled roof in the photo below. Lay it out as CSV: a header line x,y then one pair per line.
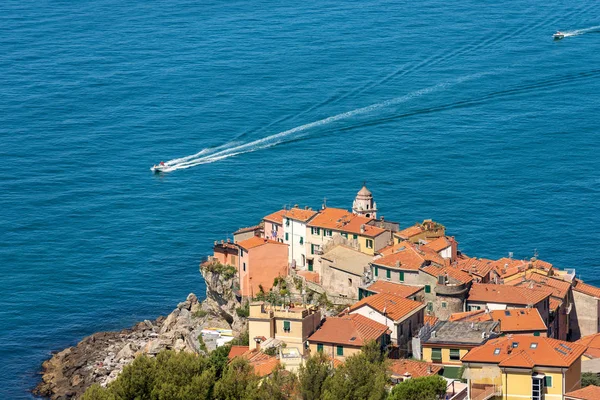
x,y
265,367
530,351
592,342
559,288
590,392
469,315
505,294
395,307
519,320
439,244
310,276
256,241
586,289
397,289
352,330
411,231
416,369
276,217
236,351
299,214
430,319
344,221
406,257
454,273
480,267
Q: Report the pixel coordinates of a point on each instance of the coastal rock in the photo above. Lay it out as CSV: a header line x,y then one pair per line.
x,y
101,357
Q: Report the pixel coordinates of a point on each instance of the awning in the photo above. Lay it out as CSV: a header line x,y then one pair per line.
x,y
452,372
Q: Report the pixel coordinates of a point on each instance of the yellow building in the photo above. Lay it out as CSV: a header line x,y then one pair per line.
x,y
290,325
341,337
523,367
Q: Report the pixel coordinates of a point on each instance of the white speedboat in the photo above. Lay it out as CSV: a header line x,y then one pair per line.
x,y
558,35
161,167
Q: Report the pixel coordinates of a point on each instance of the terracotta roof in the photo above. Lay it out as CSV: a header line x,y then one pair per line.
x,y
397,289
453,273
416,369
559,288
344,221
248,229
310,276
299,214
590,392
276,217
265,367
554,304
470,316
586,289
526,351
337,363
256,241
405,257
519,320
480,267
236,351
395,307
411,231
504,294
430,319
352,330
592,342
439,244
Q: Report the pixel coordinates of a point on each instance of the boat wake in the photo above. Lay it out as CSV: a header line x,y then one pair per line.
x,y
210,155
593,29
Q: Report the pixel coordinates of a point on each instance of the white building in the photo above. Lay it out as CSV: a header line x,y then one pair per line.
x,y
294,234
364,205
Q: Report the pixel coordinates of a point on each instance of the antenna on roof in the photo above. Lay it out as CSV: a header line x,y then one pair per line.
x,y
324,203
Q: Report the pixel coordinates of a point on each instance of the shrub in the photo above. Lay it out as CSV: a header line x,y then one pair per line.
x,y
200,313
243,311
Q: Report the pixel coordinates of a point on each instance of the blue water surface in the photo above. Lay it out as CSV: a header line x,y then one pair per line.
x,y
465,112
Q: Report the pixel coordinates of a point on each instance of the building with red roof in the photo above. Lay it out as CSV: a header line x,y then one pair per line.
x,y
341,337
523,366
590,392
260,261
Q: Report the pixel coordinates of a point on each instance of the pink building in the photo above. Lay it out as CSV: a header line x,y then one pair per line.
x,y
261,260
274,226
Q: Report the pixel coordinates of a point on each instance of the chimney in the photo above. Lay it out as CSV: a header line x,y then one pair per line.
x,y
429,369
397,263
433,334
295,205
362,228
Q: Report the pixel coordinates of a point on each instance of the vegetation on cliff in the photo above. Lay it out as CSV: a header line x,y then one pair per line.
x,y
183,376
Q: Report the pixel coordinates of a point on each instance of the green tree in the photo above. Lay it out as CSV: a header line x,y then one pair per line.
x,y
281,385
239,382
426,388
589,378
312,375
363,376
136,381
218,360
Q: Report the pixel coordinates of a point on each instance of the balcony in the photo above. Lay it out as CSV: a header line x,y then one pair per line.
x,y
482,391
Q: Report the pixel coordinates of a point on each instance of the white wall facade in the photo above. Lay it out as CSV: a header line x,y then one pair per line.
x,y
376,316
446,253
295,236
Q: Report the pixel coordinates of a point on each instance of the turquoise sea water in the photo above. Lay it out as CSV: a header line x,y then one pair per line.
x,y
464,112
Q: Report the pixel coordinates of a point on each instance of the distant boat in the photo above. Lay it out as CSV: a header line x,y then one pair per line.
x,y
161,167
558,35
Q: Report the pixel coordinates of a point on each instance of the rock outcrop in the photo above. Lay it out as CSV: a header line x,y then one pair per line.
x,y
101,357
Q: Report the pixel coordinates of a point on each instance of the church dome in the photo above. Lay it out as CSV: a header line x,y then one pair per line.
x,y
365,192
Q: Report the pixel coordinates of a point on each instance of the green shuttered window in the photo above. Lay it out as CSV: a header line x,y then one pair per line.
x,y
320,347
286,326
436,354
455,354
340,350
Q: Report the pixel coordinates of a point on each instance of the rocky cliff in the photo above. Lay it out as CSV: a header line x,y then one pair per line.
x,y
100,358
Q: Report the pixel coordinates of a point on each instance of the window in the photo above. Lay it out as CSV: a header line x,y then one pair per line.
x,y
340,350
315,231
455,354
388,273
244,266
536,388
301,240
429,306
329,232
401,276
515,345
533,346
344,234
436,354
369,244
444,304
548,381
320,347
287,222
287,237
496,351
312,248
286,326
275,227
536,334
354,236
376,271
427,288
474,308
349,281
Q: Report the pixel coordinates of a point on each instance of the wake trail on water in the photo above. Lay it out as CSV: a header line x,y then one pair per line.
x,y
230,150
577,32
